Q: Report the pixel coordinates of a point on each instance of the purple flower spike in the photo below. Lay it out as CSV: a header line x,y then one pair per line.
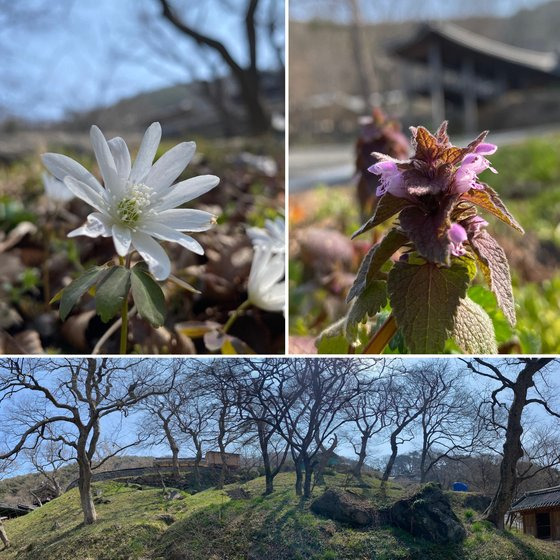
x,y
457,235
390,180
475,224
466,176
486,148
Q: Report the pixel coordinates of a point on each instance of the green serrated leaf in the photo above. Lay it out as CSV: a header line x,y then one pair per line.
x,y
77,288
332,339
148,296
374,260
424,299
111,291
473,330
495,268
387,206
368,303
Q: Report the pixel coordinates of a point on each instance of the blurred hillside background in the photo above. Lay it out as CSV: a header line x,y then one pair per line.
x,y
210,71
481,65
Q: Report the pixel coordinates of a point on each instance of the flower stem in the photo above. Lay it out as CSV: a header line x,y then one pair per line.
x,y
235,315
382,337
124,313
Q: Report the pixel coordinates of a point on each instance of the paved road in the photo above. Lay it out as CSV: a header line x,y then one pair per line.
x,y
334,164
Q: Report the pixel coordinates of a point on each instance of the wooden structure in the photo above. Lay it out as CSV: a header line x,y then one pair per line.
x,y
540,512
8,511
212,459
469,69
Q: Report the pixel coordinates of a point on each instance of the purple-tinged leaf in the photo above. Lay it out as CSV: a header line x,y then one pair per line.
x,y
425,299
387,206
428,230
496,270
488,199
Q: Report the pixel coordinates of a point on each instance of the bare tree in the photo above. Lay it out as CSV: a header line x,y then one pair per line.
x,y
405,403
246,76
311,424
368,414
513,379
65,400
160,422
449,424
259,385
47,459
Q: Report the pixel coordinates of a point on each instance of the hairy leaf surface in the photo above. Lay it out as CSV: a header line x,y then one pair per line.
x,y
425,299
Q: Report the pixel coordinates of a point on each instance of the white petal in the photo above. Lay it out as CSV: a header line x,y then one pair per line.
x,y
121,239
152,252
86,193
121,155
186,190
275,269
185,219
55,189
61,166
274,298
106,162
169,166
146,153
96,225
166,233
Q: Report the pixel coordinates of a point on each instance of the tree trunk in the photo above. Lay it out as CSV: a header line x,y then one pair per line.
x,y
3,535
197,461
269,477
513,451
361,457
175,455
392,458
307,481
259,121
86,499
299,478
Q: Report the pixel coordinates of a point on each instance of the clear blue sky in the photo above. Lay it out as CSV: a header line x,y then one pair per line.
x,y
83,53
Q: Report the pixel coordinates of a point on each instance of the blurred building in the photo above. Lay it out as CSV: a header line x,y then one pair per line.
x,y
467,71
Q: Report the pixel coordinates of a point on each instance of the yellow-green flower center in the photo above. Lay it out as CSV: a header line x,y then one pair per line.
x,y
129,211
133,205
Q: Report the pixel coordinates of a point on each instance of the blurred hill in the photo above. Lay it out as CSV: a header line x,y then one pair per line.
x,y
324,79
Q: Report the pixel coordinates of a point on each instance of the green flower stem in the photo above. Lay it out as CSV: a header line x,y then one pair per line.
x,y
235,315
124,311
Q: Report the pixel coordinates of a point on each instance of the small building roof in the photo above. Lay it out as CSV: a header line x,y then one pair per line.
x,y
547,497
480,47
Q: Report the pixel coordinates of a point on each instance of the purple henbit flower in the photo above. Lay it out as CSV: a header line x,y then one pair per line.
x,y
457,236
466,177
391,179
474,224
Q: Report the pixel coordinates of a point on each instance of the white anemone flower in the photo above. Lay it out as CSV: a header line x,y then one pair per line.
x,y
272,235
56,190
266,287
138,204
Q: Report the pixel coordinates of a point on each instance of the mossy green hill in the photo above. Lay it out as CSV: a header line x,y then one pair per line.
x,y
138,523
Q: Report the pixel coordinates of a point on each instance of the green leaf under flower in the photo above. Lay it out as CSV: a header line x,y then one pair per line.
x,y
111,292
148,296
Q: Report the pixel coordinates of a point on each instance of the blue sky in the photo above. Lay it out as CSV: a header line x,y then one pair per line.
x,y
85,53
128,426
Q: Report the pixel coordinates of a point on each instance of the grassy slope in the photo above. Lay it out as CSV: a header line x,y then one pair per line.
x,y
210,525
